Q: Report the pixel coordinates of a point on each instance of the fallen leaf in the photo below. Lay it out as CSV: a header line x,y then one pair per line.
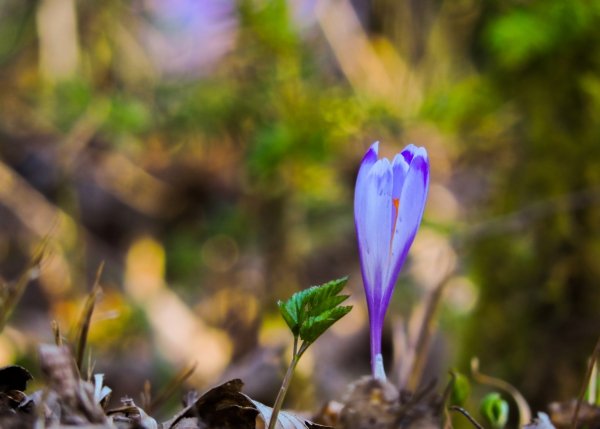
x,y
225,407
285,420
130,415
222,407
14,377
74,396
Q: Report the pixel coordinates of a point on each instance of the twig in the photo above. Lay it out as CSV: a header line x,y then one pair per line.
x,y
416,399
173,385
424,338
57,333
447,420
90,366
466,414
14,294
586,381
522,405
445,398
146,395
86,317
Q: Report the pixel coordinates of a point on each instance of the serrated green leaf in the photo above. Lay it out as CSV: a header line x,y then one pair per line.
x,y
311,301
327,304
310,312
294,309
291,321
314,326
320,294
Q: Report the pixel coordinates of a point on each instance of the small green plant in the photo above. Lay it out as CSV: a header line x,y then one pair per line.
x,y
461,389
495,410
309,313
592,391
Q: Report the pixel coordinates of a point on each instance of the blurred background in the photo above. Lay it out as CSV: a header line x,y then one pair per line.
x,y
206,151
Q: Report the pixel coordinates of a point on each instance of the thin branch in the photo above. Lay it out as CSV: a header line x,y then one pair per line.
x,y
170,388
445,418
423,342
57,333
86,317
586,381
466,414
14,294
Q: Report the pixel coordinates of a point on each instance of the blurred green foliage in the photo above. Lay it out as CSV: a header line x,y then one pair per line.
x,y
530,118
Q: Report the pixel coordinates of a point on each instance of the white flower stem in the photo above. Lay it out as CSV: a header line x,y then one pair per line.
x,y
378,369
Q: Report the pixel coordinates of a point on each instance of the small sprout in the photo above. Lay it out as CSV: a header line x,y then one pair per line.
x,y
495,410
308,314
591,392
461,389
587,385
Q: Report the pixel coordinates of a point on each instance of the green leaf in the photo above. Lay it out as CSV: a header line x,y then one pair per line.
x,y
327,304
314,326
495,410
592,390
293,310
324,297
290,319
461,389
310,312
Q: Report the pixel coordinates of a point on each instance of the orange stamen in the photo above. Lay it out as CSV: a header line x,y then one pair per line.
x,y
396,203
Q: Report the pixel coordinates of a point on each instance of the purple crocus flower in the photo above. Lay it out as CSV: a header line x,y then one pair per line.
x,y
388,206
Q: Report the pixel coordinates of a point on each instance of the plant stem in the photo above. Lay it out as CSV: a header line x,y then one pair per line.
x,y
594,358
284,387
466,414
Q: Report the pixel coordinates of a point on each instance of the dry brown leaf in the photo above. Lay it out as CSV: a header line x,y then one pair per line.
x,y
223,406
14,377
226,407
285,420
130,415
74,396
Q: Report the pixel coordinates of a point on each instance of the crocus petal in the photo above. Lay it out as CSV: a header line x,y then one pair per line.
x,y
373,208
399,168
366,164
410,213
361,193
410,151
360,197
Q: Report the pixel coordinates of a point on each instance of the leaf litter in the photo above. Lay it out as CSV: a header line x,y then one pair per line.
x,y
70,400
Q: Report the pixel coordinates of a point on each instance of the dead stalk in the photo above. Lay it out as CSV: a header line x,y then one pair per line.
x,y
466,414
586,382
86,318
